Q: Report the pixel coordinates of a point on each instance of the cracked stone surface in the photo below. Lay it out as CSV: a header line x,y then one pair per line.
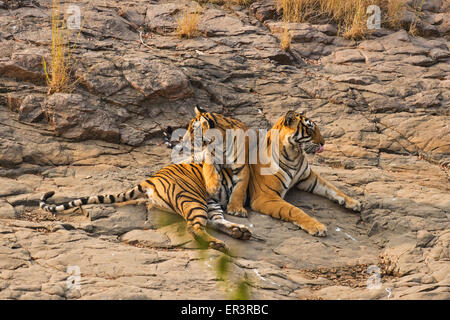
x,y
382,105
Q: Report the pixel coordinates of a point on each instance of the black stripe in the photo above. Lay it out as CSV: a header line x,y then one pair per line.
x,y
140,188
212,116
314,185
285,155
290,210
282,182
163,179
173,191
304,179
132,194
276,191
161,198
111,198
236,171
101,199
197,217
296,131
196,171
287,171
194,209
197,222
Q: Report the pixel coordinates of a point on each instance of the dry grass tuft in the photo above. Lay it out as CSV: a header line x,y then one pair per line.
x,y
394,13
57,73
355,23
286,38
297,10
188,23
350,15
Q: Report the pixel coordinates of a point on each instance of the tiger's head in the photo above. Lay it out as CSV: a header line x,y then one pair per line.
x,y
297,130
203,120
202,123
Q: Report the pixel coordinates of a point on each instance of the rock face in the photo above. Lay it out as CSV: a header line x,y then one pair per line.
x,y
381,104
74,117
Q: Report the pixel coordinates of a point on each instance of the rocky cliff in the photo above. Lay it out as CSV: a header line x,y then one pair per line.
x,y
381,103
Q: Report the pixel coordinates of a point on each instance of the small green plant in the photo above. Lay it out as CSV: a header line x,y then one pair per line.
x,y
235,288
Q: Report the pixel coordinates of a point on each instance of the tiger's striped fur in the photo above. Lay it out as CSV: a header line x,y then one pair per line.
x,y
240,171
296,135
178,188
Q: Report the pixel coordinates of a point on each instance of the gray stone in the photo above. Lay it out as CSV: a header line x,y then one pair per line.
x,y
264,10
75,117
12,153
153,77
132,136
31,109
149,238
161,17
424,238
6,211
349,55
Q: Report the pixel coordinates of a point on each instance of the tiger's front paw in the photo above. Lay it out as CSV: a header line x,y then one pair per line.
x,y
353,204
237,211
315,228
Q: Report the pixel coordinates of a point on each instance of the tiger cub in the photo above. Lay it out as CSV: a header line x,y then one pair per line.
x,y
296,135
178,188
234,159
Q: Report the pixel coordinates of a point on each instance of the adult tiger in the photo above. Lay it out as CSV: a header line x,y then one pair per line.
x,y
178,188
296,135
227,149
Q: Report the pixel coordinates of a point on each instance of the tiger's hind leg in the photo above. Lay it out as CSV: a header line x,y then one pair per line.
x,y
196,218
217,221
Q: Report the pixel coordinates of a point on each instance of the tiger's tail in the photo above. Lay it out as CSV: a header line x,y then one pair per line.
x,y
130,194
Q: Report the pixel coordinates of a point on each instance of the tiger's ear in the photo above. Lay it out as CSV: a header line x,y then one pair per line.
x,y
199,110
289,118
205,119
